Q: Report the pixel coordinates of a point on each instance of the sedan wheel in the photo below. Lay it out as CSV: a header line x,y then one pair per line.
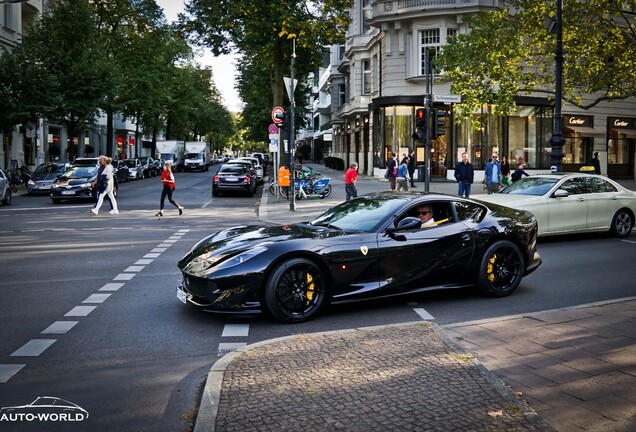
x,y
501,269
295,291
7,198
622,224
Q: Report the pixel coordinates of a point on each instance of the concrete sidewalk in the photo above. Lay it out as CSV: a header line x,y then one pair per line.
x,y
571,369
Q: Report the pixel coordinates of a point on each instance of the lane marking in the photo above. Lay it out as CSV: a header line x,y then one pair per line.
x,y
135,268
111,287
8,370
124,276
144,261
96,298
236,330
165,245
59,327
227,347
80,311
158,250
423,314
33,348
152,255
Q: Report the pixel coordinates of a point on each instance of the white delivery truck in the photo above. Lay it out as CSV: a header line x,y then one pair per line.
x,y
171,152
197,156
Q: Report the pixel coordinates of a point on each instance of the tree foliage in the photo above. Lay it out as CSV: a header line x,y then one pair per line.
x,y
262,32
511,52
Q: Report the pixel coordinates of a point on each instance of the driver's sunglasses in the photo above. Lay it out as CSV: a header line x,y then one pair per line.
x,y
423,212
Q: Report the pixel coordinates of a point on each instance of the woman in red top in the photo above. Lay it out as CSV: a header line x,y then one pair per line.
x,y
351,181
168,187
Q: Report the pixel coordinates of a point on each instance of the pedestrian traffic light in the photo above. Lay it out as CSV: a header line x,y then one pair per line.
x,y
279,119
439,120
420,119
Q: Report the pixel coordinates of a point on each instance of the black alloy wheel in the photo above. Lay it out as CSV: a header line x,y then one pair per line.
x,y
295,291
501,269
7,198
622,223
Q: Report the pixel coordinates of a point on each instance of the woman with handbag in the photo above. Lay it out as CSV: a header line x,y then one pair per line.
x,y
105,182
167,178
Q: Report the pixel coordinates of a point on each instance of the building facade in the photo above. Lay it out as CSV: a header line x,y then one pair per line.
x,y
380,81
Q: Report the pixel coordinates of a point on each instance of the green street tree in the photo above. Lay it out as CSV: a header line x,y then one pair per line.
x,y
262,32
510,52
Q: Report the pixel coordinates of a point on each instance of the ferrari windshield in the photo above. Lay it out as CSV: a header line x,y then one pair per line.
x,y
363,214
531,186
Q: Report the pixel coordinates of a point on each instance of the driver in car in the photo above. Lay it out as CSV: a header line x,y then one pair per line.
x,y
425,213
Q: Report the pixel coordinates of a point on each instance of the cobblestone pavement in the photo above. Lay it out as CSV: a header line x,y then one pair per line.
x,y
391,378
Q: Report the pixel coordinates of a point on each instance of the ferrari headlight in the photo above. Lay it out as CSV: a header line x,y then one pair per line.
x,y
241,258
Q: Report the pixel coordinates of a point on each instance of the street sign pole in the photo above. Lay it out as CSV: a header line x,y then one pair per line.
x,y
292,133
428,104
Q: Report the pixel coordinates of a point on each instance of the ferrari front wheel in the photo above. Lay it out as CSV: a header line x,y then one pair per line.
x,y
501,269
295,291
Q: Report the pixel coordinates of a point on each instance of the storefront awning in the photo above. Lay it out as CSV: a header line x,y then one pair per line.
x,y
631,133
585,131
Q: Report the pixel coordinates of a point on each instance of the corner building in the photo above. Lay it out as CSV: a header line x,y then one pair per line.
x,y
377,81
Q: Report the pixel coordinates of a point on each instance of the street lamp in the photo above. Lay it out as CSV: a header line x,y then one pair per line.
x,y
557,140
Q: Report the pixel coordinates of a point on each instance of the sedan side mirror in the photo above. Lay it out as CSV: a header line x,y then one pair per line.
x,y
560,193
408,223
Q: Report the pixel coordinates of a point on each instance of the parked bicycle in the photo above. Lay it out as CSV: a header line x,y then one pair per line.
x,y
282,190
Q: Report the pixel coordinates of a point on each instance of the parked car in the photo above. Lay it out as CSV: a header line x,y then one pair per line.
x,y
246,163
258,168
219,159
136,169
5,188
44,176
233,178
121,171
152,167
372,246
567,203
76,184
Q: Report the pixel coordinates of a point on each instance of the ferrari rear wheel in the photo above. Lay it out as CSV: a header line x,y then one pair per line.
x,y
295,291
501,269
622,224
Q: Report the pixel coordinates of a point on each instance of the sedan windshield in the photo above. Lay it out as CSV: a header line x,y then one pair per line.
x,y
50,168
130,163
81,172
531,186
362,215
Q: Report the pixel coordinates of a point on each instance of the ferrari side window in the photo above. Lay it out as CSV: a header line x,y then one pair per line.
x,y
469,211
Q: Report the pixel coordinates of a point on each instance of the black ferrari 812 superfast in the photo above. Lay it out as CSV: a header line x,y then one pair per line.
x,y
370,247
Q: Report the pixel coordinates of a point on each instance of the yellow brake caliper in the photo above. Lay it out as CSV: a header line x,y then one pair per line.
x,y
310,289
491,268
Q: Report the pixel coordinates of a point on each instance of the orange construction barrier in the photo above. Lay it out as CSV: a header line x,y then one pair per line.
x,y
283,176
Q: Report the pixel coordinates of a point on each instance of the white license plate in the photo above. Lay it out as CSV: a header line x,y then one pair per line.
x,y
68,192
231,179
181,295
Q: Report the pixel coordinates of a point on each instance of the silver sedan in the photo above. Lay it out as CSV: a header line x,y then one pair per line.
x,y
572,203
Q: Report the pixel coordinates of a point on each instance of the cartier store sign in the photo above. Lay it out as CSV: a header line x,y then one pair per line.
x,y
620,123
577,121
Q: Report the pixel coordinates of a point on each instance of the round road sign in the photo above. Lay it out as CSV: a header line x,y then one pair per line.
x,y
273,129
280,111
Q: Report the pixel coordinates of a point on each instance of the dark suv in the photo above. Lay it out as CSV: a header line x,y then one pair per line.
x,y
76,182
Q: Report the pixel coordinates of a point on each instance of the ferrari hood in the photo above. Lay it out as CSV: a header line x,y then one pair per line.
x,y
239,239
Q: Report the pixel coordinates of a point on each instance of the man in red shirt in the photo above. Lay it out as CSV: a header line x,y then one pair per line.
x,y
351,179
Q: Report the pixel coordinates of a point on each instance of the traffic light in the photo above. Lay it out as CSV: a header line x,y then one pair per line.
x,y
439,120
420,124
281,117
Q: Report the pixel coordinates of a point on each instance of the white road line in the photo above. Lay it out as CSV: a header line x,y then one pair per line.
x,y
124,276
96,298
423,314
236,330
165,245
171,241
629,241
227,347
144,261
33,348
152,255
135,269
59,327
80,311
8,370
111,287
158,250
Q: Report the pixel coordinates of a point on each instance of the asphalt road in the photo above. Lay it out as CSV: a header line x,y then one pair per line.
x,y
88,310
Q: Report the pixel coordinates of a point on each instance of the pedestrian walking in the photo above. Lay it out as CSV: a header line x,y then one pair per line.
x,y
505,171
402,178
519,172
492,176
596,164
412,166
167,178
105,182
351,181
464,174
391,171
